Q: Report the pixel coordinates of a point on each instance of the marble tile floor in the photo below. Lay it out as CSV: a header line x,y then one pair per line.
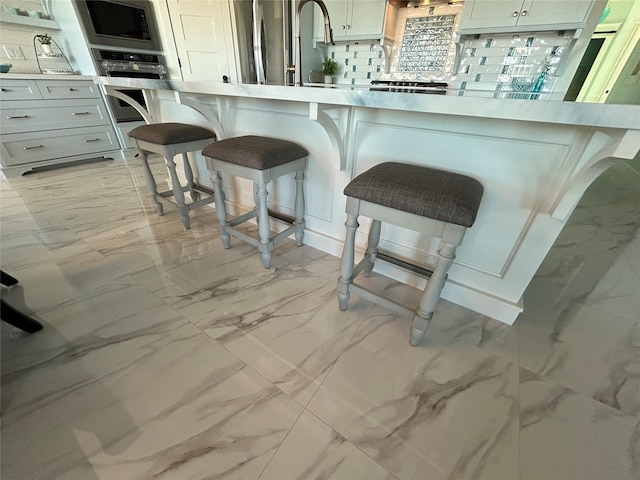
x,y
164,356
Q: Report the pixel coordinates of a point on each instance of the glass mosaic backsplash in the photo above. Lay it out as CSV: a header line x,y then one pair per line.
x,y
425,43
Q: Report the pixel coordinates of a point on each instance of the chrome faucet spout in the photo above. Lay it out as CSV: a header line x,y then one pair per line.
x,y
328,36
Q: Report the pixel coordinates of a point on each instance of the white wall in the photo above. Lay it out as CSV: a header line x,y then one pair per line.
x,y
67,34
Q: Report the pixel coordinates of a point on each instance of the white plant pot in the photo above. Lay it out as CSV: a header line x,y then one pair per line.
x,y
328,79
46,48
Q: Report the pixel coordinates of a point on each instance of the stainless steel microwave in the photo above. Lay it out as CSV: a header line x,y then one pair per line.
x,y
122,24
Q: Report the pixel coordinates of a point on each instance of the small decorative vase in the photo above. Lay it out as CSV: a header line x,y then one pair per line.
x,y
328,79
46,48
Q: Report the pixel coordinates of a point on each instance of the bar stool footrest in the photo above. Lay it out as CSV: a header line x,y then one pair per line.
x,y
242,218
378,299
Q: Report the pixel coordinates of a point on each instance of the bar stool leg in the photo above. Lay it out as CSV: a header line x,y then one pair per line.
x,y
431,294
346,264
256,200
151,183
264,229
188,172
221,209
372,247
177,192
299,207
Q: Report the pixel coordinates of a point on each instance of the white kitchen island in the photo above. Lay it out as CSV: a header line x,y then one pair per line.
x,y
535,160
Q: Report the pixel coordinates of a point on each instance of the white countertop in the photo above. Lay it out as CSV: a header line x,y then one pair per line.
x,y
40,76
554,112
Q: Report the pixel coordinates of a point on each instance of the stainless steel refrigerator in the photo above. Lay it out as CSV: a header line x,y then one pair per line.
x,y
263,28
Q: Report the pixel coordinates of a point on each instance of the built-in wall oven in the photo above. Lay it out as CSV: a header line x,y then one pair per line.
x,y
130,65
124,40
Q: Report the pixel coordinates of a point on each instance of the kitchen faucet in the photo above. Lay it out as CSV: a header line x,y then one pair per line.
x,y
328,37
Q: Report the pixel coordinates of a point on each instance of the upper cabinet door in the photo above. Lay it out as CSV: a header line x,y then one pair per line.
x,y
549,12
490,13
202,33
495,16
352,19
366,18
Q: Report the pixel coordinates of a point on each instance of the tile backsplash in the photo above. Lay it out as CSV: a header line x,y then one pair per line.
x,y
358,62
509,66
496,65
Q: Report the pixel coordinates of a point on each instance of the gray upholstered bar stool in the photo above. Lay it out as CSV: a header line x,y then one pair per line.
x,y
434,202
170,139
260,159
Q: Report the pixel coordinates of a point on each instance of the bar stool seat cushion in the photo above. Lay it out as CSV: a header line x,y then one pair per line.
x,y
445,196
259,153
170,133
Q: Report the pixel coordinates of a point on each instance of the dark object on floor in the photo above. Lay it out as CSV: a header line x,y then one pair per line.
x,y
11,315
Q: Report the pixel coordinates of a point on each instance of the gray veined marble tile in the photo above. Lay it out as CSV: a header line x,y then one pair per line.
x,y
308,258
84,348
159,243
564,435
442,410
191,411
632,253
314,451
471,327
50,283
583,348
291,331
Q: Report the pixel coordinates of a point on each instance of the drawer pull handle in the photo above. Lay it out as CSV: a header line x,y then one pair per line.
x,y
80,113
73,89
34,147
11,117
92,140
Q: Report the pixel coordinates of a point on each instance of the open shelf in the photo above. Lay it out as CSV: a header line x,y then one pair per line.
x,y
30,21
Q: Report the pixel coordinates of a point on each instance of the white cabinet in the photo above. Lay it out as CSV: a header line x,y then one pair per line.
x,y
46,122
352,19
488,16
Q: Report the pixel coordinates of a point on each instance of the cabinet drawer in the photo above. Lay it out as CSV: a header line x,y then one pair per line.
x,y
68,89
19,90
51,115
21,148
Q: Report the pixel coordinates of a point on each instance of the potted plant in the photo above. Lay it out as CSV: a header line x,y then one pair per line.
x,y
329,69
45,40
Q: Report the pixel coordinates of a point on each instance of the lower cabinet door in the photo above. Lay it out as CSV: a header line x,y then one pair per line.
x,y
23,148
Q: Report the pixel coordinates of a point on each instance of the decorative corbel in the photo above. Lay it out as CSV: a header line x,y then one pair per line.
x,y
602,151
119,93
337,128
210,112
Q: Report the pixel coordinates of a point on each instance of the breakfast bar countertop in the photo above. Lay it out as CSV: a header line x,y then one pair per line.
x,y
569,113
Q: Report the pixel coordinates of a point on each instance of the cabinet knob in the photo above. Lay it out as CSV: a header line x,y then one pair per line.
x,y
34,147
524,13
515,14
10,117
348,27
343,27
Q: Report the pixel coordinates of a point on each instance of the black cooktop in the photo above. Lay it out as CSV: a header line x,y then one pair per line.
x,y
433,88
